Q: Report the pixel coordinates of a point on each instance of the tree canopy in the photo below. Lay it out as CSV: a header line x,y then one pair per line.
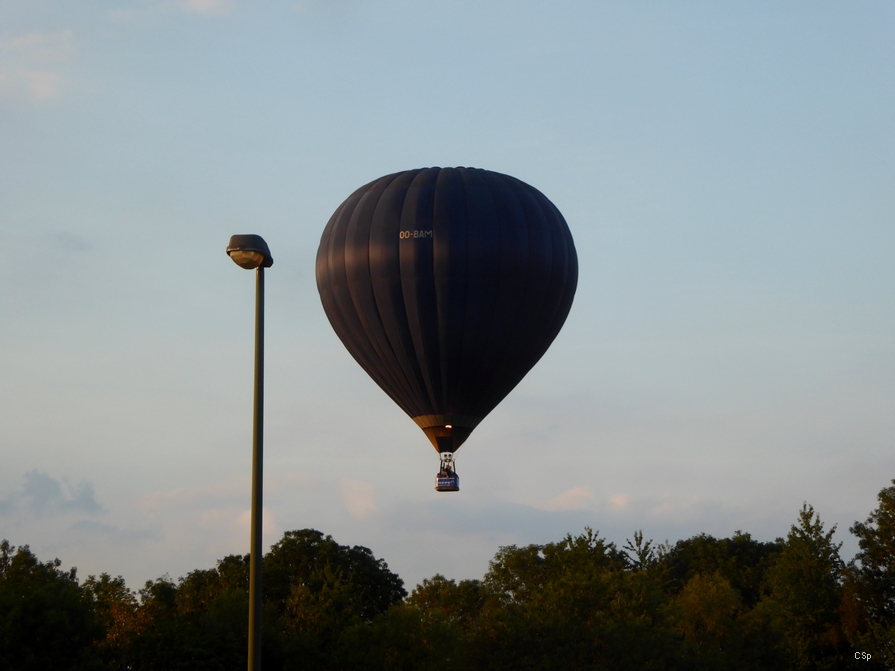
x,y
577,603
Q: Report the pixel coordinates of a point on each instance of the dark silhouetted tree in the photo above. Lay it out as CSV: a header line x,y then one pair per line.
x,y
871,581
741,560
804,593
572,604
115,606
45,621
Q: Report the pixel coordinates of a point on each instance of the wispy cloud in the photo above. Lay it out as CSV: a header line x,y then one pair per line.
x,y
196,7
231,493
129,535
32,64
45,496
619,501
207,6
58,46
42,85
576,498
654,506
359,498
268,522
71,242
216,516
316,6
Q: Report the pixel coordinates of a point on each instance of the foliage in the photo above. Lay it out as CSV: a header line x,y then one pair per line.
x,y
350,579
319,589
116,608
642,555
572,604
803,594
871,581
703,603
740,560
457,602
45,622
707,608
406,637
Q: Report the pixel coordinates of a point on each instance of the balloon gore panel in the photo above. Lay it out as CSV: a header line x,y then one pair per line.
x,y
447,285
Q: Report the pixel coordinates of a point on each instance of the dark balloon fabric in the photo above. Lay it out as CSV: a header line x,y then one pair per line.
x,y
447,285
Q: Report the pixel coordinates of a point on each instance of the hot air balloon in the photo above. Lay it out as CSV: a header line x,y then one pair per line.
x,y
447,285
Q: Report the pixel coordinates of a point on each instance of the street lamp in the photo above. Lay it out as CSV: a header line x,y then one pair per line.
x,y
250,252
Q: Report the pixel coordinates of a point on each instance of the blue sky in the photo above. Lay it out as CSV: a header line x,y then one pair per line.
x,y
727,173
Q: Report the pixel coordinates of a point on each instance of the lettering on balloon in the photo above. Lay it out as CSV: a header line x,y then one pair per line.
x,y
414,235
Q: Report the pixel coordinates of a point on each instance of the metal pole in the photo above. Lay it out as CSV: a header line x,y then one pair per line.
x,y
257,482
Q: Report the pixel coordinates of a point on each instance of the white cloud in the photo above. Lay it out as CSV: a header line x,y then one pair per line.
x,y
359,498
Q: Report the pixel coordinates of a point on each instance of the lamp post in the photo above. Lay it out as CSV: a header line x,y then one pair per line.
x,y
251,252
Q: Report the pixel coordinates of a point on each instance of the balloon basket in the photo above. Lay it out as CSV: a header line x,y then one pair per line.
x,y
447,484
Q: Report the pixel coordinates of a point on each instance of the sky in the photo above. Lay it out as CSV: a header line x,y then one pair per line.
x,y
727,171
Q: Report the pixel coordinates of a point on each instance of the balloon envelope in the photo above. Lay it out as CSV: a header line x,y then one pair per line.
x,y
447,285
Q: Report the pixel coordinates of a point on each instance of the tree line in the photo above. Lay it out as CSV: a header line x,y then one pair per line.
x,y
579,603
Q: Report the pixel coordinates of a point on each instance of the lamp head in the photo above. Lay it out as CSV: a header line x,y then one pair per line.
x,y
249,252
